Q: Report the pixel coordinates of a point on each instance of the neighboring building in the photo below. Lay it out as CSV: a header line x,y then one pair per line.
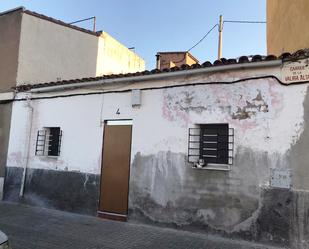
x,y
220,148
35,48
286,25
167,60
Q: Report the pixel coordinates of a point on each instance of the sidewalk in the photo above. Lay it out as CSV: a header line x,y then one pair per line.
x,y
39,228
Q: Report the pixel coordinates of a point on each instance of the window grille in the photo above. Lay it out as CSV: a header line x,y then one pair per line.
x,y
211,144
48,142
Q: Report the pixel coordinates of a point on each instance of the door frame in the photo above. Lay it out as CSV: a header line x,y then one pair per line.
x,y
107,215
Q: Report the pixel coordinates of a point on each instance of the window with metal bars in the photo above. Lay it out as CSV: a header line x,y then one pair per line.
x,y
211,144
48,142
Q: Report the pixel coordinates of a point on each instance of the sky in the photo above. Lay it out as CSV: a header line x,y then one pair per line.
x,y
165,25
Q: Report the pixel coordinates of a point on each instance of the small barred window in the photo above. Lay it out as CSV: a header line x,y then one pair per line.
x,y
211,144
48,142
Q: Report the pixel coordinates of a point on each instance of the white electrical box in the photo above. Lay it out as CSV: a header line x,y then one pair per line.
x,y
280,178
136,98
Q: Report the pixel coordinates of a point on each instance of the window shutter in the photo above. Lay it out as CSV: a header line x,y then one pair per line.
x,y
54,141
214,141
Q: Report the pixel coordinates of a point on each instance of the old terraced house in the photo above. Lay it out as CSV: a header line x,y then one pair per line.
x,y
218,147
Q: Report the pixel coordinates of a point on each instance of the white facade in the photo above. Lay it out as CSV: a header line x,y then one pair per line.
x,y
35,48
270,131
161,122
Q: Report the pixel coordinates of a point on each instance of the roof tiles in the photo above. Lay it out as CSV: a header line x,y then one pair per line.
x,y
304,53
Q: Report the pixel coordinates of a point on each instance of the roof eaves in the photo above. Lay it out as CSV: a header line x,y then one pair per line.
x,y
20,8
195,68
242,60
173,52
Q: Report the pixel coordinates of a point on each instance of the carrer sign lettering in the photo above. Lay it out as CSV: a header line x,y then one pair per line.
x,y
296,71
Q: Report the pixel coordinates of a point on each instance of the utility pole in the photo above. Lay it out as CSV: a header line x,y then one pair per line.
x,y
220,37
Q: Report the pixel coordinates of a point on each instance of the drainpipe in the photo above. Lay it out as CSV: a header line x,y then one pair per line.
x,y
23,180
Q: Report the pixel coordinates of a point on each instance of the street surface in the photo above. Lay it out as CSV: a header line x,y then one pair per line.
x,y
39,228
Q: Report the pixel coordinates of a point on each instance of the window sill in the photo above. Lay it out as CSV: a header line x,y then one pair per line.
x,y
221,167
46,156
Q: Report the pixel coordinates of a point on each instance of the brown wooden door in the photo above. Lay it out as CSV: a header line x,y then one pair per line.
x,y
115,171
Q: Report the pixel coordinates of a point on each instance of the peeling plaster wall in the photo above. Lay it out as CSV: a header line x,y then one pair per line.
x,y
270,132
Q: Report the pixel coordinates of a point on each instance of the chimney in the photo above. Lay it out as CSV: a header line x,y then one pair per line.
x,y
158,61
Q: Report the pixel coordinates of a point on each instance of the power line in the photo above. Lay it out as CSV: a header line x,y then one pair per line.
x,y
202,38
249,22
228,21
244,21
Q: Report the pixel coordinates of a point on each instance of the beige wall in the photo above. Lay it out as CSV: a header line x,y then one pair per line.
x,y
50,52
287,25
9,42
189,60
113,57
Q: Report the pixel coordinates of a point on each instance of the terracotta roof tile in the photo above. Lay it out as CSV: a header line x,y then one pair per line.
x,y
207,64
196,66
218,63
271,57
243,59
284,56
304,53
231,61
257,58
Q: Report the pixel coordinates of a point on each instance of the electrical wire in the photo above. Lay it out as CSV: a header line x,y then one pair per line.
x,y
228,21
243,22
202,38
158,88
249,22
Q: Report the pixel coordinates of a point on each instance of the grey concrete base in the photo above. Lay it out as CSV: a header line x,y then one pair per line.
x,y
1,187
69,191
276,216
282,219
165,190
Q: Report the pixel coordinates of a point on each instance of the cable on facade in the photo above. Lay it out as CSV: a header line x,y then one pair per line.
x,y
158,88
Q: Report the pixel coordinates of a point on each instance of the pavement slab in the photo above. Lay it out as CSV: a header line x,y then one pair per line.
x,y
38,228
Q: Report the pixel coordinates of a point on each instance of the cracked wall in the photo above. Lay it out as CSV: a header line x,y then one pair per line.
x,y
269,122
270,133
